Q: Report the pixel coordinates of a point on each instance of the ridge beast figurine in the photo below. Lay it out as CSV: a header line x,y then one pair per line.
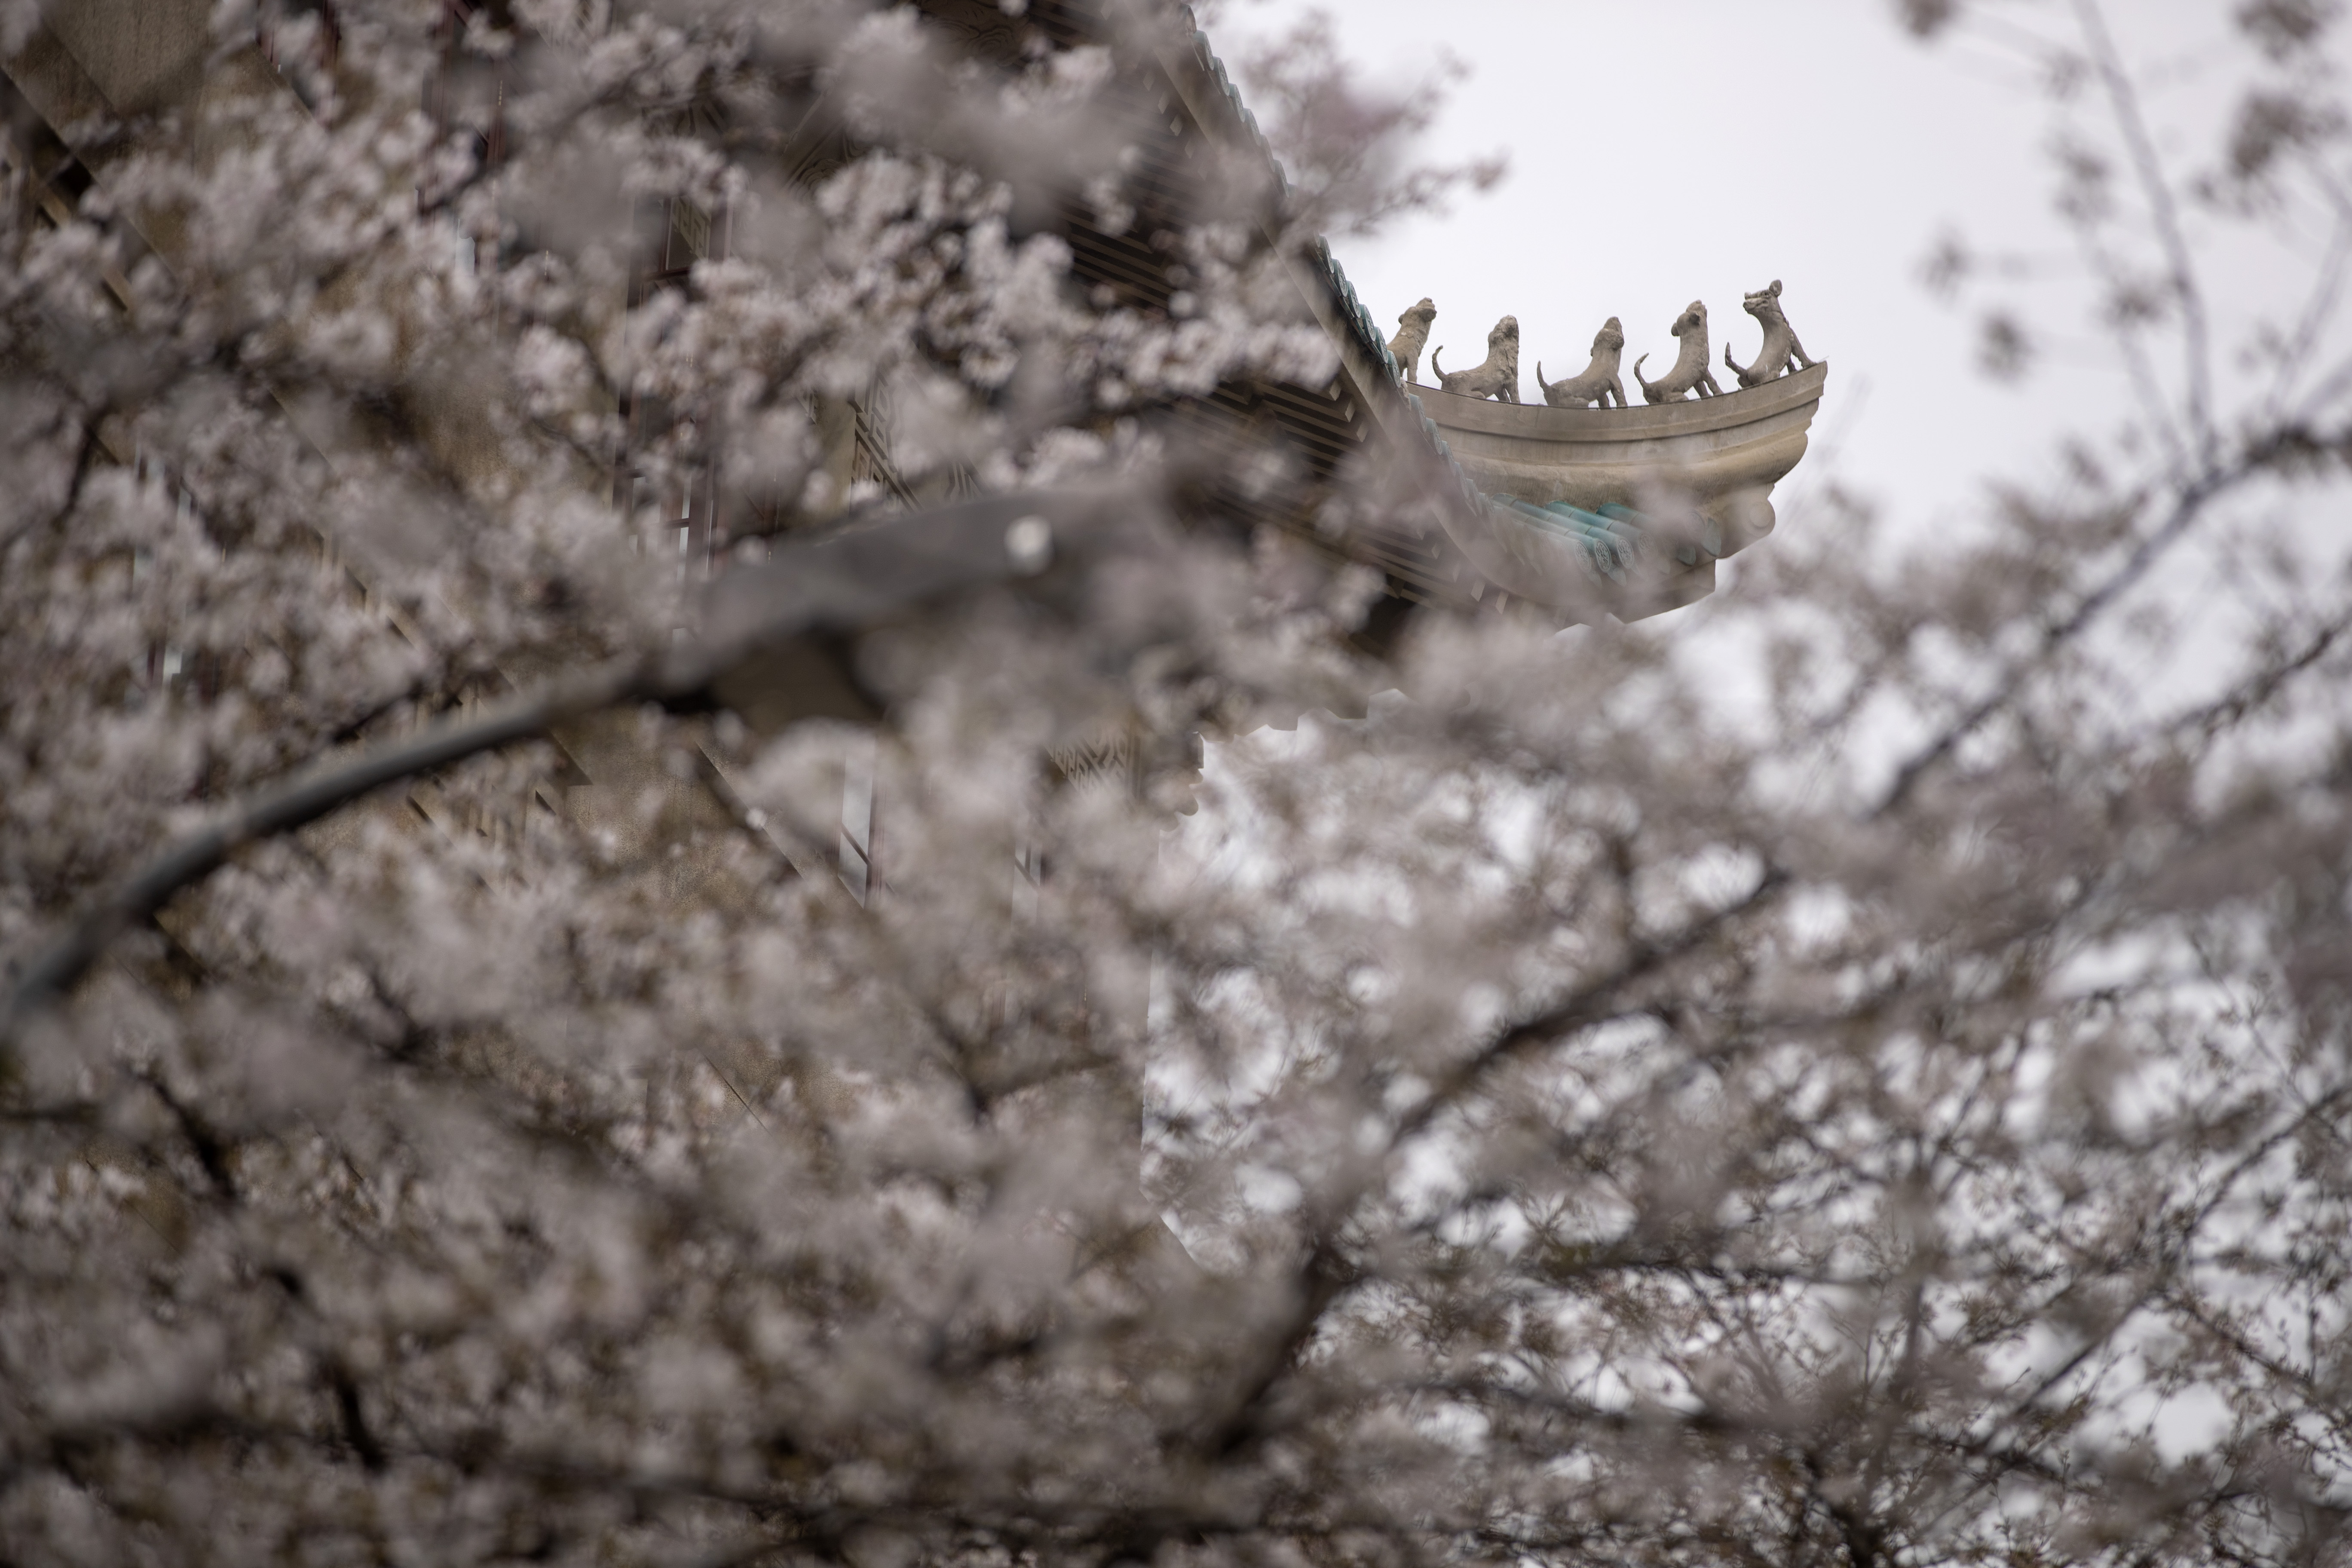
x,y
1691,368
1600,379
1498,376
1782,351
1413,332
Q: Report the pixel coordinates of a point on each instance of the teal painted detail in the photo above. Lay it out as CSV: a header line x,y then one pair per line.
x,y
1601,522
1609,543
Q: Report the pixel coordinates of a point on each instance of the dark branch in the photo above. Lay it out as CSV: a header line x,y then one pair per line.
x,y
845,584
2187,508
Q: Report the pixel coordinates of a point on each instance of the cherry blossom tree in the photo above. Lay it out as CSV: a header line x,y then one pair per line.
x,y
1856,1071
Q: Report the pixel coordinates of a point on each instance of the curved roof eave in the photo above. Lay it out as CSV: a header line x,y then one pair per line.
x,y
1702,471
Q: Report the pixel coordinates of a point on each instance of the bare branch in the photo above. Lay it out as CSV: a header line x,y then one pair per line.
x,y
2196,333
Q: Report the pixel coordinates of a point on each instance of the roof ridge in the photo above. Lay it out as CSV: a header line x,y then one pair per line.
x,y
1606,549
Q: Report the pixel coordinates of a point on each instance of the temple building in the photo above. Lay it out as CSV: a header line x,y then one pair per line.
x,y
1550,508
1576,511
1573,508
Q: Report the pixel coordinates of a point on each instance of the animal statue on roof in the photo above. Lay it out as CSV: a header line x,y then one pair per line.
x,y
1413,332
1599,378
1781,353
1690,368
1498,377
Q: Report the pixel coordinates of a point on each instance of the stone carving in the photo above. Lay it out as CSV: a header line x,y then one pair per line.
x,y
1782,352
1412,331
1690,368
1498,377
1599,378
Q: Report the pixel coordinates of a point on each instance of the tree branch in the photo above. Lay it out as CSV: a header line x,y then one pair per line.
x,y
2166,214
1325,1275
2187,508
845,583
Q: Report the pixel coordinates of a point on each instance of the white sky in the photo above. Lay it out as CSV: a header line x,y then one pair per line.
x,y
1662,149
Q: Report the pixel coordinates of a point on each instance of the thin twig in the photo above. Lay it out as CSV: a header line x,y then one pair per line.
x,y
2186,510
2166,214
2263,684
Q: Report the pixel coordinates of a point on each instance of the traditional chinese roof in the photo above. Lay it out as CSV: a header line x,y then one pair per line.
x,y
1547,505
1652,496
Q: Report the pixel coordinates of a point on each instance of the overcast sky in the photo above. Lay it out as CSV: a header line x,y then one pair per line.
x,y
1662,149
